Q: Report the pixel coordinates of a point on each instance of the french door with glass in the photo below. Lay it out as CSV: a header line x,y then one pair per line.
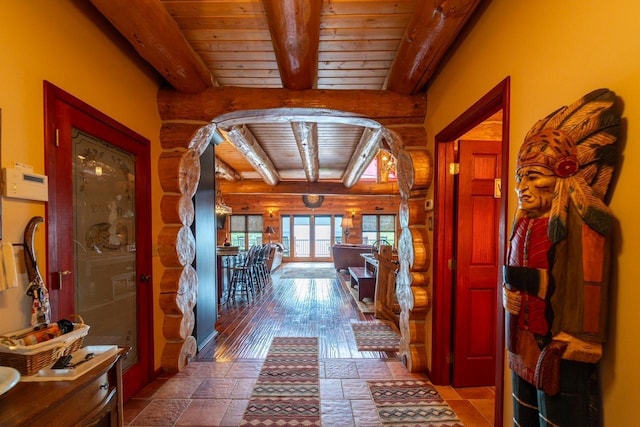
x,y
309,237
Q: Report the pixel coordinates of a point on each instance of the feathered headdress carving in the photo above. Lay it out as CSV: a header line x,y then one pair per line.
x,y
577,142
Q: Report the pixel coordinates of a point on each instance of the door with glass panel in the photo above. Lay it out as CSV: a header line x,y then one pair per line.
x,y
309,237
99,237
322,238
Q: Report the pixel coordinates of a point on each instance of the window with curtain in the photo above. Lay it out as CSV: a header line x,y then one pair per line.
x,y
377,229
246,230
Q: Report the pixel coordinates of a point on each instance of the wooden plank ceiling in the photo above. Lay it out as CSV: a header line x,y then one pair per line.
x,y
331,45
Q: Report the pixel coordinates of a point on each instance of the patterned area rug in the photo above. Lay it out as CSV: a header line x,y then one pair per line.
x,y
287,392
376,336
411,403
309,273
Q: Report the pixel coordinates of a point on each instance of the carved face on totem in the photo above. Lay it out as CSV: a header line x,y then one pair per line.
x,y
535,187
543,158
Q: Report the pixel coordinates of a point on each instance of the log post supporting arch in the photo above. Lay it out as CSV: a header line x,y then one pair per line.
x,y
414,171
179,172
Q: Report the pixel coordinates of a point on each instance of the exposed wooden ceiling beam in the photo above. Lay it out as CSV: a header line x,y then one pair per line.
x,y
366,150
379,105
295,34
431,31
155,35
306,135
297,188
225,171
244,141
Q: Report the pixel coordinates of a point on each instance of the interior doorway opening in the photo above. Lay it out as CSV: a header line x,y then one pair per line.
x,y
444,332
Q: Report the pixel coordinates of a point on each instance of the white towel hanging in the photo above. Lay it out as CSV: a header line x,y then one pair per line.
x,y
9,277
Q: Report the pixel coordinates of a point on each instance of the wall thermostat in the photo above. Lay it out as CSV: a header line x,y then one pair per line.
x,y
23,184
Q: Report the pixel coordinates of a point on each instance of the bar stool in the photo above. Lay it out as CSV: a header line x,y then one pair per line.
x,y
261,275
242,278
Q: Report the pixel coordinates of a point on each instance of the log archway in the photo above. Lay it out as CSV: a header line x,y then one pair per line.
x,y
178,168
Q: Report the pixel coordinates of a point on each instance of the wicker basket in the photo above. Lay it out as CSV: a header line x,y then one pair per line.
x,y
29,359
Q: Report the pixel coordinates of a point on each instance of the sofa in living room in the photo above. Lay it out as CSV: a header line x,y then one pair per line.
x,y
346,255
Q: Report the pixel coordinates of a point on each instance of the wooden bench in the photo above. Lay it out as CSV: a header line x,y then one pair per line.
x,y
365,280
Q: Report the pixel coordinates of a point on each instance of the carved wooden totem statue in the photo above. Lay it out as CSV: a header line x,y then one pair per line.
x,y
557,272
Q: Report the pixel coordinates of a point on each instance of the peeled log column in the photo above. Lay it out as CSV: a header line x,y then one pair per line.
x,y
177,354
178,290
179,172
177,209
176,246
178,327
414,177
178,280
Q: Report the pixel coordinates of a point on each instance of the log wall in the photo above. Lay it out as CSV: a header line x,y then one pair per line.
x,y
179,174
183,141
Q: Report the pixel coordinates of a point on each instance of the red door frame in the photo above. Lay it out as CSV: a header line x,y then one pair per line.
x,y
440,373
58,228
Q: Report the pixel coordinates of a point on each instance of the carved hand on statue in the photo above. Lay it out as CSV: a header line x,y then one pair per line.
x,y
511,300
579,350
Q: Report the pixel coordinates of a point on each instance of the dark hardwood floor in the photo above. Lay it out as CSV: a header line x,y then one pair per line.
x,y
290,307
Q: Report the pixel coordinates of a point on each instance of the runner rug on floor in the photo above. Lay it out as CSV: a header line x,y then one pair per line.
x,y
375,336
287,392
411,403
308,273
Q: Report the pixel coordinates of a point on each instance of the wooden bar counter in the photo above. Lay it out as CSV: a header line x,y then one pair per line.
x,y
95,398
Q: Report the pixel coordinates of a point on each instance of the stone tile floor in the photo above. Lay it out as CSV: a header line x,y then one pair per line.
x,y
214,389
211,393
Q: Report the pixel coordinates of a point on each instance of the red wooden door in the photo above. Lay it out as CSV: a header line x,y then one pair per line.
x,y
98,229
477,254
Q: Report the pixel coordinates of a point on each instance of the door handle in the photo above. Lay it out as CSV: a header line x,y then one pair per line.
x,y
61,275
145,278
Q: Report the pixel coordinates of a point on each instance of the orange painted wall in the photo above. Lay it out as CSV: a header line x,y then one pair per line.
x,y
64,42
555,52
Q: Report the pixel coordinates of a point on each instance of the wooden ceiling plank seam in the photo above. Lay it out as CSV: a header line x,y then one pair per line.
x,y
375,55
356,64
358,7
388,44
364,21
329,73
335,34
255,22
243,65
209,34
247,74
238,56
232,46
196,9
